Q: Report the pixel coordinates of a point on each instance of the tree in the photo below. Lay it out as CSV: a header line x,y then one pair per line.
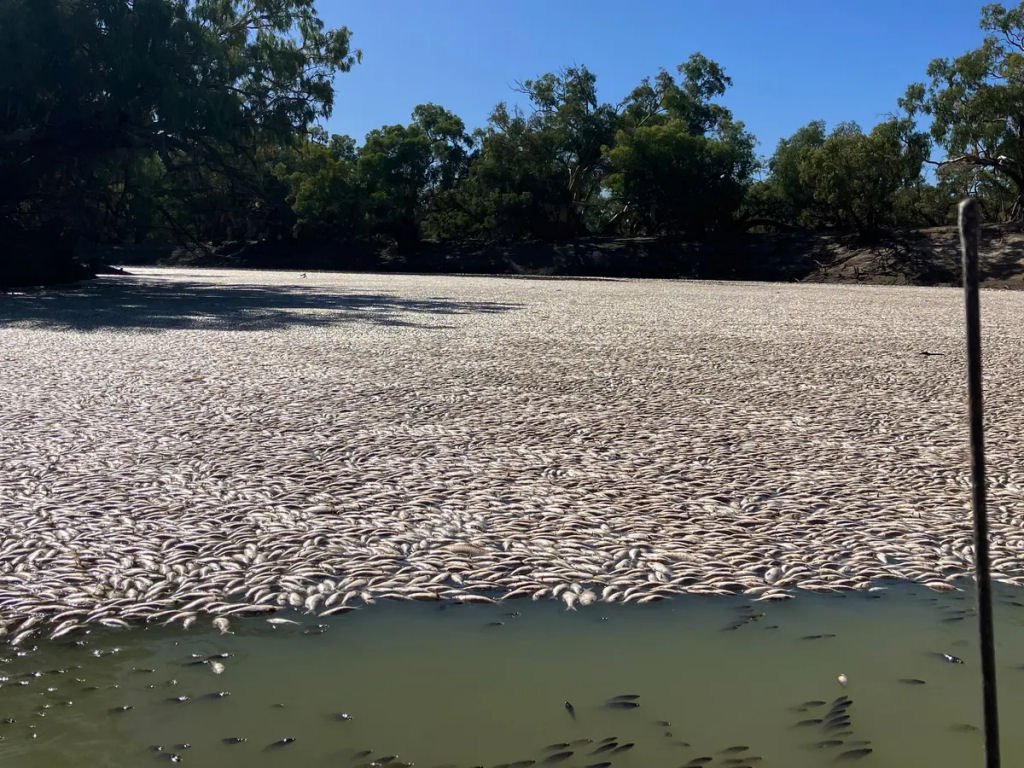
x,y
854,178
91,86
324,190
848,179
976,102
405,170
539,175
679,163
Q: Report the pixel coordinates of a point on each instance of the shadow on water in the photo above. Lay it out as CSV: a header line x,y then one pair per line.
x,y
141,304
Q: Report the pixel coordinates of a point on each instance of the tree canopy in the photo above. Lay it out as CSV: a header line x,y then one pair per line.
x,y
976,101
201,121
95,89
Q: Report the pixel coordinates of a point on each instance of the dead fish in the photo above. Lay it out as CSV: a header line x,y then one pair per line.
x,y
558,757
123,708
217,695
234,740
855,754
911,681
180,699
570,709
952,659
281,742
342,716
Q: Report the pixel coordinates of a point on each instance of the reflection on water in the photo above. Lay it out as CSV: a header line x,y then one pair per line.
x,y
693,681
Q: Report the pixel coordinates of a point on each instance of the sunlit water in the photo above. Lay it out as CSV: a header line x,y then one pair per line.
x,y
488,685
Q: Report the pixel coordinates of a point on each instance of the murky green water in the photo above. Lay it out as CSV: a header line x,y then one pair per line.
x,y
486,685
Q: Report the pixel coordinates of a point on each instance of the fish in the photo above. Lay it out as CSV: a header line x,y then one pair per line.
x,y
282,742
619,704
234,740
558,757
559,745
570,709
952,659
734,750
625,697
605,747
700,760
911,681
624,748
599,765
813,721
829,743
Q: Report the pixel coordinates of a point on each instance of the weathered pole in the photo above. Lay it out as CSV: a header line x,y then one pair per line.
x,y
969,226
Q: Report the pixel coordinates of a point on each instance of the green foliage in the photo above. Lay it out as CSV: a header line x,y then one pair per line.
x,y
539,175
670,181
324,190
848,179
409,172
975,102
94,88
680,164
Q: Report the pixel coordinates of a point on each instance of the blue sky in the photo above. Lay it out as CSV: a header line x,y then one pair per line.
x,y
791,61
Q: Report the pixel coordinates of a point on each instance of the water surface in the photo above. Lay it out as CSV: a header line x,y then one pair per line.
x,y
443,684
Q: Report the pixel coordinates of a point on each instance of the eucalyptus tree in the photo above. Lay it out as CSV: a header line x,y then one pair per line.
x,y
91,88
679,163
976,103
